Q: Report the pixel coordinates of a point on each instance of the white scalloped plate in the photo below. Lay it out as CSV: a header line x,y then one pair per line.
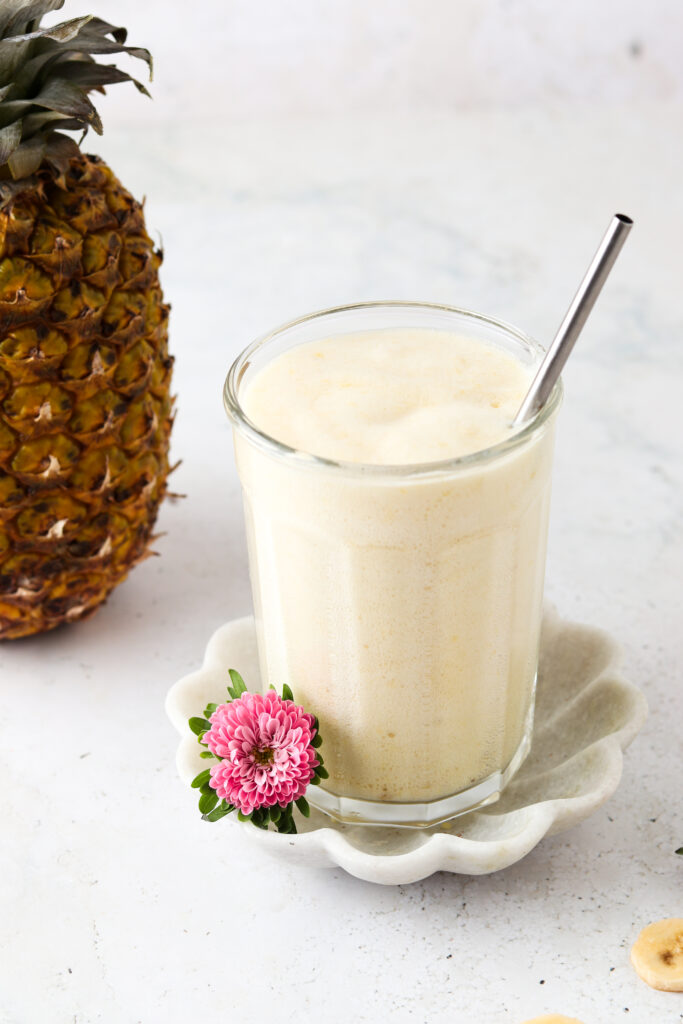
x,y
586,714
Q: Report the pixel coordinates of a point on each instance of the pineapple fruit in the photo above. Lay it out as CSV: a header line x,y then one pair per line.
x,y
85,404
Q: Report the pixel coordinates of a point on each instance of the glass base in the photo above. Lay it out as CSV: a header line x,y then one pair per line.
x,y
421,815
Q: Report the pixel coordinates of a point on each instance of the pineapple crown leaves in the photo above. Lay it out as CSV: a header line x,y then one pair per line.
x,y
46,74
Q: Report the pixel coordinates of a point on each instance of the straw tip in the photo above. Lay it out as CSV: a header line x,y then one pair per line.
x,y
624,219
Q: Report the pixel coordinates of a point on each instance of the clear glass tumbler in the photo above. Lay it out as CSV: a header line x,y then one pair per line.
x,y
402,604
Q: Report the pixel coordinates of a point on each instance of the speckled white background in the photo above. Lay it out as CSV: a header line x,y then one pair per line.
x,y
244,59
301,182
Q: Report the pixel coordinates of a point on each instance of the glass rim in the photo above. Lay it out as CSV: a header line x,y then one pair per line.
x,y
273,446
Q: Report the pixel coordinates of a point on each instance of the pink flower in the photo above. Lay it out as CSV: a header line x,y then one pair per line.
x,y
265,741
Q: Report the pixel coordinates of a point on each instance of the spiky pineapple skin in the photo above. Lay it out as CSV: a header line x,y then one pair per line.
x,y
85,403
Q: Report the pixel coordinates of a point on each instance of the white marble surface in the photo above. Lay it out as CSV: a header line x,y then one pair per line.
x,y
118,904
306,56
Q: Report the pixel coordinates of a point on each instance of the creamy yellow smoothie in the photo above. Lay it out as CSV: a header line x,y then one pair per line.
x,y
398,587
389,397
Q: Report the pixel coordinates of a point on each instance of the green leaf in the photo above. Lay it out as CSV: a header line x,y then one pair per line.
x,y
208,801
201,779
218,813
302,804
207,753
107,29
42,121
315,781
10,137
285,823
238,685
199,725
66,31
321,772
317,740
205,788
60,151
92,38
680,850
62,33
31,73
93,76
287,826
209,710
243,817
25,160
16,13
282,823
59,95
13,56
287,693
89,42
275,813
260,817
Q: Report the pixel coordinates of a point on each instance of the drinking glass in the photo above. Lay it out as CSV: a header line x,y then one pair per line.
x,y
402,604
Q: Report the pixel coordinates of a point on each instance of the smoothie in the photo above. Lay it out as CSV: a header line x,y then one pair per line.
x,y
400,601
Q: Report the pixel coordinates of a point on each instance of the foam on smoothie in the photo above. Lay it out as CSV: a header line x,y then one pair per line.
x,y
389,397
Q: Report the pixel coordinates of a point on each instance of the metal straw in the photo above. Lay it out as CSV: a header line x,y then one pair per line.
x,y
577,314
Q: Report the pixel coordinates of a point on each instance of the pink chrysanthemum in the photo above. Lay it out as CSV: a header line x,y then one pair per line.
x,y
266,745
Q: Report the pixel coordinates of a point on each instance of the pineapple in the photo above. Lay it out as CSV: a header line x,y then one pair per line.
x,y
85,404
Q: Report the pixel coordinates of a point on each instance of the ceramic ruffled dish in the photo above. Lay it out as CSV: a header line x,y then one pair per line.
x,y
586,715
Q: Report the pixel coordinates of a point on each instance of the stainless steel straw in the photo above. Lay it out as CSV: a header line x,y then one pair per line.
x,y
577,314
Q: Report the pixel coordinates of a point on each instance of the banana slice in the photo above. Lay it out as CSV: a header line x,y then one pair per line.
x,y
553,1018
657,954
